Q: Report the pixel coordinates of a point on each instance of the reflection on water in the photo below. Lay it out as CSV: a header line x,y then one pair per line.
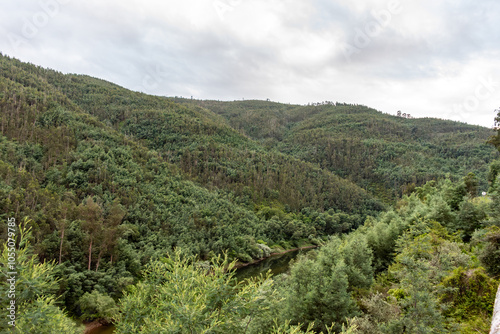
x,y
278,264
103,330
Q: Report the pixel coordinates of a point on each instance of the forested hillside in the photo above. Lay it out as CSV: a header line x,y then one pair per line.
x,y
130,208
387,155
111,179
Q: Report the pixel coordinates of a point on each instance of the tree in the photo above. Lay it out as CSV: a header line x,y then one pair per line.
x,y
179,296
91,214
35,284
96,305
471,184
470,295
493,173
490,254
358,258
422,263
111,232
318,294
319,290
469,218
495,140
66,207
44,316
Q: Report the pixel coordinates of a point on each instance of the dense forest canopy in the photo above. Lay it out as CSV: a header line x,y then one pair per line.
x,y
118,195
384,154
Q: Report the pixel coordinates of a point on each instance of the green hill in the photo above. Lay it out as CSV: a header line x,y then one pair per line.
x,y
112,178
384,154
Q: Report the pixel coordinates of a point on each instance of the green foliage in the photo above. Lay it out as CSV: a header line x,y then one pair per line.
x,y
423,291
470,218
45,317
471,184
213,153
286,328
385,154
319,290
421,264
318,294
471,296
490,253
114,181
495,140
454,195
382,314
494,172
176,296
96,305
35,285
381,237
358,258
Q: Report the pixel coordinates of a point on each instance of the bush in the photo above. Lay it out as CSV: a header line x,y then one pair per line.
x,y
96,305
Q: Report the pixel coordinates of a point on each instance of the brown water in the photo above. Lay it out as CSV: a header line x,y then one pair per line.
x,y
277,264
103,330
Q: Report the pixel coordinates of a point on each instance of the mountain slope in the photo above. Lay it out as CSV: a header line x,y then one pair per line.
x,y
109,179
211,152
105,186
384,154
67,139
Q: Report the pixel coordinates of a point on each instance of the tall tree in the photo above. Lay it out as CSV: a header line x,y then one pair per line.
x,y
111,231
66,208
91,213
35,284
319,290
495,140
471,184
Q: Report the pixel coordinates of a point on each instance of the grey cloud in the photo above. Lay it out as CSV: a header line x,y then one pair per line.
x,y
300,60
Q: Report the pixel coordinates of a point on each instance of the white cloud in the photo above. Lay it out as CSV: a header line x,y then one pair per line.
x,y
427,60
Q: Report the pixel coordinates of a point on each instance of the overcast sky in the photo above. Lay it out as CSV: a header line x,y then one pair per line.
x,y
437,58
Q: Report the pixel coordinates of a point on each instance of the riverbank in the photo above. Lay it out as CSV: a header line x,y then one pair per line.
x,y
98,327
91,327
278,262
245,264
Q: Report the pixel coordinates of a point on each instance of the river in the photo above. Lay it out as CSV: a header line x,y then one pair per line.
x,y
278,264
102,330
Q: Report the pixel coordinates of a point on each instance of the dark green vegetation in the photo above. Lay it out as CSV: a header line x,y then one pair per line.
x,y
112,182
386,155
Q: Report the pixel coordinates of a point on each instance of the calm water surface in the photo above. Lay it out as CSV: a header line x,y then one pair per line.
x,y
278,264
103,330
